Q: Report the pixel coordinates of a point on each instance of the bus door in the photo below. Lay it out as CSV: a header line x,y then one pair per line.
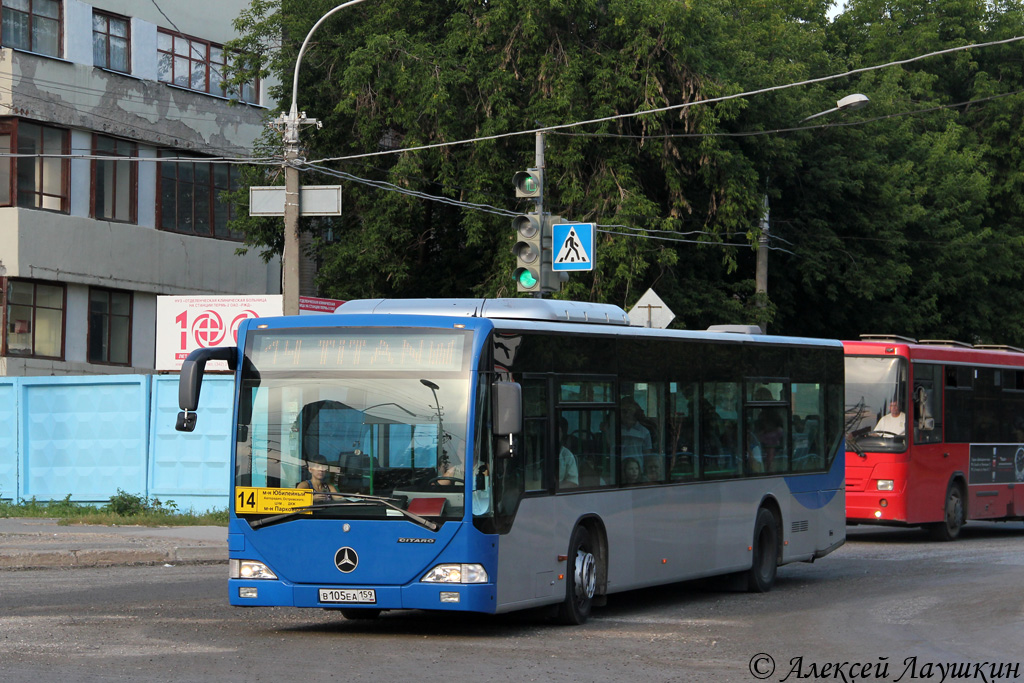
x,y
931,461
527,558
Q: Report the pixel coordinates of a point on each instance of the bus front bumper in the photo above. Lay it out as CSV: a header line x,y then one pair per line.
x,y
428,596
875,507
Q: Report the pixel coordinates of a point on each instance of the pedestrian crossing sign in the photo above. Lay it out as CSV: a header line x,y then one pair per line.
x,y
572,246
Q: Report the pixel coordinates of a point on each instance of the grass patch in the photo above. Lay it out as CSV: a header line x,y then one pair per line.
x,y
123,509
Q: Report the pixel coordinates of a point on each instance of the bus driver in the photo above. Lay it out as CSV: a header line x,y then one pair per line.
x,y
893,422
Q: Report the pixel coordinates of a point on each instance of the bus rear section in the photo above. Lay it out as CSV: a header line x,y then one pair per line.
x,y
935,433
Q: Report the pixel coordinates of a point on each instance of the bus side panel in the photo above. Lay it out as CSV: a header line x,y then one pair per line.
x,y
993,479
528,556
655,535
660,535
929,469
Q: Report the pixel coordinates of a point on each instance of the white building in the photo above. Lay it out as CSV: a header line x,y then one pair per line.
x,y
86,244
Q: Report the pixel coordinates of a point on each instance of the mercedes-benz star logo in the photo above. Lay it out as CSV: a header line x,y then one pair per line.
x,y
346,559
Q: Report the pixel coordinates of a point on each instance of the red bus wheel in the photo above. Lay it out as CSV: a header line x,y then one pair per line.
x,y
953,516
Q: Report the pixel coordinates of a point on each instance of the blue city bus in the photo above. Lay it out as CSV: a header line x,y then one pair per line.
x,y
502,454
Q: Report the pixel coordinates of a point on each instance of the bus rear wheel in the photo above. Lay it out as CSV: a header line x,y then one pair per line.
x,y
953,516
581,579
761,576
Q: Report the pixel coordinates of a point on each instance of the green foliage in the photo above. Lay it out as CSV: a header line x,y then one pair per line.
x,y
123,508
910,222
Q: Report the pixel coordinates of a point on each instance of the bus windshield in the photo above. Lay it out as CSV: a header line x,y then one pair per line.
x,y
386,422
875,414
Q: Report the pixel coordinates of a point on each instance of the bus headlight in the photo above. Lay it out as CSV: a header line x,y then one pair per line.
x,y
456,573
885,484
249,569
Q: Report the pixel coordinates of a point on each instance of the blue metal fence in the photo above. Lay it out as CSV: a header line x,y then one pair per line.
x,y
87,437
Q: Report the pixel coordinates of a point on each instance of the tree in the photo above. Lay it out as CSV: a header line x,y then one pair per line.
x,y
425,73
900,231
909,222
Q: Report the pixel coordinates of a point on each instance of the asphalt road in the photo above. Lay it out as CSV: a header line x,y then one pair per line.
x,y
887,599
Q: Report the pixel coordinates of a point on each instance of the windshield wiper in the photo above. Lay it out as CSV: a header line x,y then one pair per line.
x,y
353,500
852,440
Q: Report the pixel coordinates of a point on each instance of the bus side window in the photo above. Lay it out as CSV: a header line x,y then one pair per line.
x,y
719,430
681,432
608,466
927,403
808,403
534,440
642,426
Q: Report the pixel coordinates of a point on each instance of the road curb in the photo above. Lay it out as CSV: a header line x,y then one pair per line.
x,y
110,558
43,543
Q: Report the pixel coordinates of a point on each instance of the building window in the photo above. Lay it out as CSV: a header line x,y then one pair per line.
x,y
199,65
191,197
35,319
32,25
110,326
110,42
37,182
114,181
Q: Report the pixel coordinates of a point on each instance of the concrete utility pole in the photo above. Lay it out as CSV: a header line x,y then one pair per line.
x,y
539,162
761,279
290,124
292,192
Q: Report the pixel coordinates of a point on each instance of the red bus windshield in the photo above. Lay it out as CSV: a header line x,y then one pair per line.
x,y
876,419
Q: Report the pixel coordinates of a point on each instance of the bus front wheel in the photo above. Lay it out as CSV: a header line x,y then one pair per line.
x,y
952,517
580,580
761,576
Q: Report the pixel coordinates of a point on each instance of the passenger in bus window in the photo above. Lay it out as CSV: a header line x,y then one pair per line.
x,y
636,438
631,471
318,481
893,422
568,471
652,468
768,442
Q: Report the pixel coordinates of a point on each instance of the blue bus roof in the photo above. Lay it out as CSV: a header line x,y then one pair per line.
x,y
520,313
548,310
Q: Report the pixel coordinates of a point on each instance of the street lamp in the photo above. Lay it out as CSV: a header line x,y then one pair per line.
x,y
289,125
848,103
441,457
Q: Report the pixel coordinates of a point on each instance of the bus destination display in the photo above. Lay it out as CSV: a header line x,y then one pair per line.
x,y
411,351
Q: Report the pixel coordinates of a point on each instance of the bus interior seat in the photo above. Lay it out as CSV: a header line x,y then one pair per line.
x,y
354,467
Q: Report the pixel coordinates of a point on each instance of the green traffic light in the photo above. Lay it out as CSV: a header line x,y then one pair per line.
x,y
526,279
530,184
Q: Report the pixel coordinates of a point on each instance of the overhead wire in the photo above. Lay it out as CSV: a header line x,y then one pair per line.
x,y
776,131
673,107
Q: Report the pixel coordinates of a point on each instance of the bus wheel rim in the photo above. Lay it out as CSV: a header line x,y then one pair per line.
x,y
586,575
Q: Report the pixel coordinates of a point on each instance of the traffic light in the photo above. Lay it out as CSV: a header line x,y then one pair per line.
x,y
529,183
528,252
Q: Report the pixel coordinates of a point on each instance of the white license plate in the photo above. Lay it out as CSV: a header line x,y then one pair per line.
x,y
363,596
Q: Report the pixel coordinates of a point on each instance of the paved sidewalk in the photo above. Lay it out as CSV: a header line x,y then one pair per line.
x,y
27,543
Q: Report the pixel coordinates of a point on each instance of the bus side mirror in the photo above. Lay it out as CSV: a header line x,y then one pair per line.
x,y
190,382
507,408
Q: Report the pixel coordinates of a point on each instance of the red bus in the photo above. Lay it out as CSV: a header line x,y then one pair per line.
x,y
934,433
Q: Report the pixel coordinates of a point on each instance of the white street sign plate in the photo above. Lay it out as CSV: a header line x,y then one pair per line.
x,y
315,200
651,311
